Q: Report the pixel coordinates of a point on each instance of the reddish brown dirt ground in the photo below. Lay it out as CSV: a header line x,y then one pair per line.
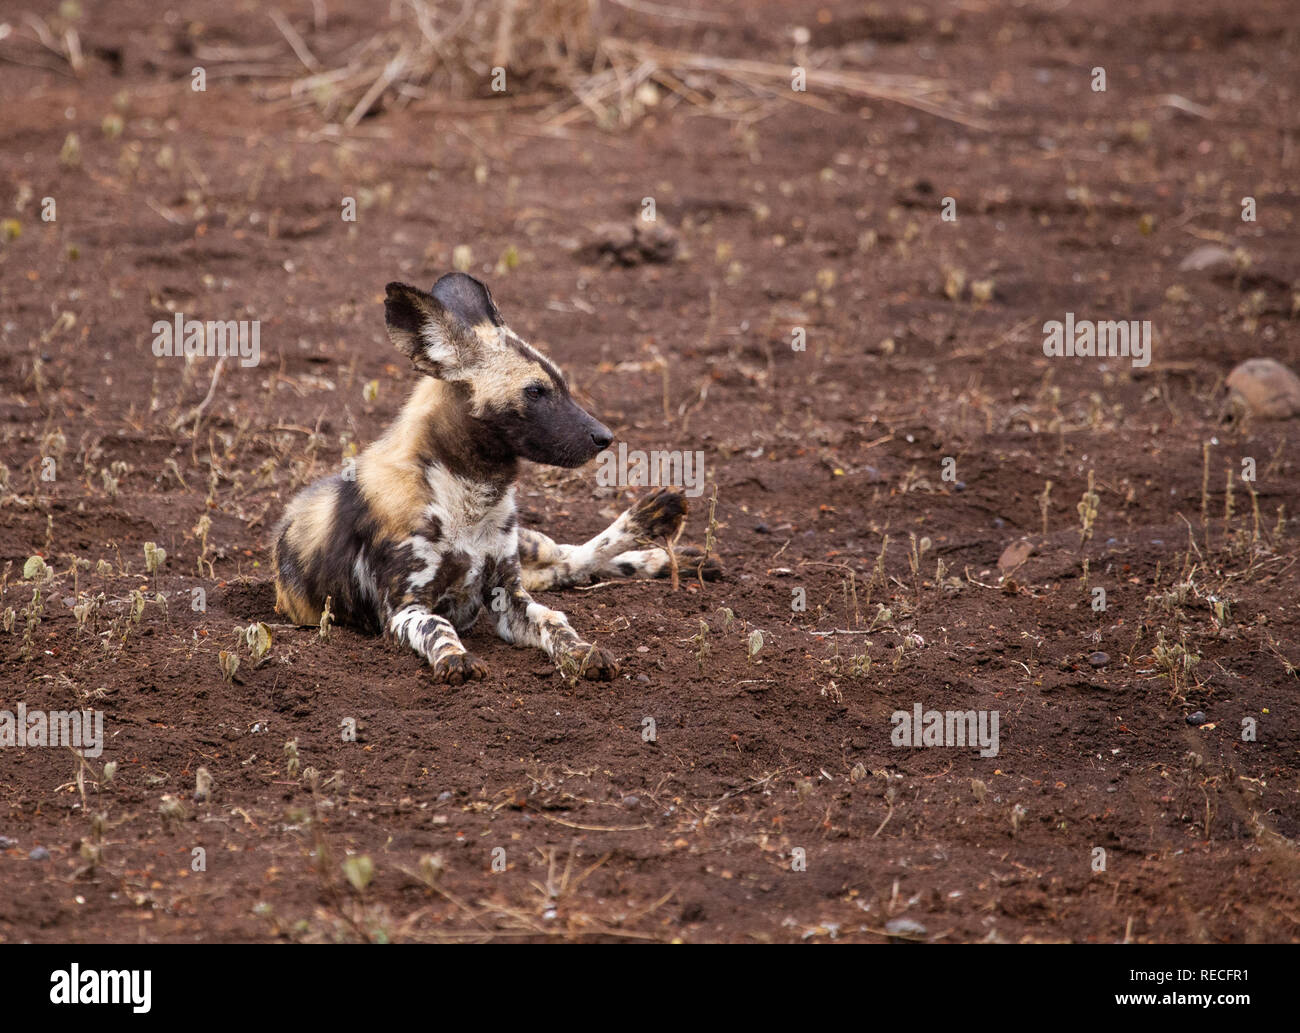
x,y
923,343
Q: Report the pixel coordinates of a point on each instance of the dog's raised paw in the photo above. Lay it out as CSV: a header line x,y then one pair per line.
x,y
457,668
659,515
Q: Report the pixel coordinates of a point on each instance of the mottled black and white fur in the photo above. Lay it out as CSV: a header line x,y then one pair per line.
x,y
425,536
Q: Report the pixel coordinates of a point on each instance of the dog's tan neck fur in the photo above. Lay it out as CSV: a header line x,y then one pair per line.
x,y
433,426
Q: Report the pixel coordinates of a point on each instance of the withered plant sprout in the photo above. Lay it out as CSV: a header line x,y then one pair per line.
x,y
154,558
326,618
35,569
1087,509
258,639
877,571
201,531
701,640
850,586
359,869
710,534
202,784
1205,492
171,810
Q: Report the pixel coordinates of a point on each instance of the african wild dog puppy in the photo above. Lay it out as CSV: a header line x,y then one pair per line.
x,y
425,536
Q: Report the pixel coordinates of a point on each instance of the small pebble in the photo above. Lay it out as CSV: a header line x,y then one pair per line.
x,y
6,842
444,796
761,528
631,801
39,854
904,927
1099,659
1208,258
644,679
1198,718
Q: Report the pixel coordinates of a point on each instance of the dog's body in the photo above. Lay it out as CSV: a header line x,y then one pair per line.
x,y
425,536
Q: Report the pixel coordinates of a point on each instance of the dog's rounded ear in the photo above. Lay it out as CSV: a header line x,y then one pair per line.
x,y
467,299
422,329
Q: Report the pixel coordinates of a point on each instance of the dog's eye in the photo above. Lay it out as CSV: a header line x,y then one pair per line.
x,y
535,391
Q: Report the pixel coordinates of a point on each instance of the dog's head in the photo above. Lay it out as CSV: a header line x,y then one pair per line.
x,y
518,401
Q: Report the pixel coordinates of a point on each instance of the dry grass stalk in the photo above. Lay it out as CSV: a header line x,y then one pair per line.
x,y
435,53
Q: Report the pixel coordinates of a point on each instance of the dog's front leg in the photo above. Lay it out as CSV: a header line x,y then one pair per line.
x,y
523,621
435,639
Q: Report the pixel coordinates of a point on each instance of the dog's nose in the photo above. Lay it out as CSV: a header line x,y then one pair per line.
x,y
602,436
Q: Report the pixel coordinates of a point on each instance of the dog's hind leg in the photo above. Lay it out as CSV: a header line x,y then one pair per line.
x,y
656,563
548,565
616,552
